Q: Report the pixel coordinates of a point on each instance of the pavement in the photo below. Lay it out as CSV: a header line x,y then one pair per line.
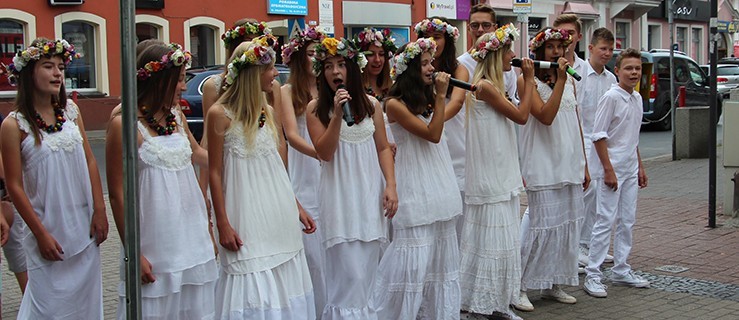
x,y
670,234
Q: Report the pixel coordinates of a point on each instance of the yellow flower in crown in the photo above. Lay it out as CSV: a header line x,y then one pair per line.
x,y
331,45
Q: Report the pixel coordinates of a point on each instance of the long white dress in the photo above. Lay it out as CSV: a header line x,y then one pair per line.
x,y
419,272
305,174
553,166
268,277
490,272
353,224
57,183
174,231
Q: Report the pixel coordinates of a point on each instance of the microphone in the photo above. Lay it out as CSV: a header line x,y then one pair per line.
x,y
460,84
348,117
548,65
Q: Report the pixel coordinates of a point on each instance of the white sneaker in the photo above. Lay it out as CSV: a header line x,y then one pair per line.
x,y
609,258
523,303
557,294
594,288
630,279
582,256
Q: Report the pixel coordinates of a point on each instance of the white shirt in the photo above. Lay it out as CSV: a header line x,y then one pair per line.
x,y
581,67
588,98
509,77
618,120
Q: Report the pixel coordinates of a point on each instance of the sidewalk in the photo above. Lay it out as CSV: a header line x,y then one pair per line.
x,y
670,231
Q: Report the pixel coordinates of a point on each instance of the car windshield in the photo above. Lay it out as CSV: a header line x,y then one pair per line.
x,y
728,71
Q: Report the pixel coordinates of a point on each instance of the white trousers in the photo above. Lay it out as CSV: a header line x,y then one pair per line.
x,y
350,276
617,207
590,198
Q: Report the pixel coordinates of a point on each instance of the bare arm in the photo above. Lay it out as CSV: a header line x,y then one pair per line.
x,y
99,223
114,172
290,124
325,139
387,163
456,101
546,112
199,153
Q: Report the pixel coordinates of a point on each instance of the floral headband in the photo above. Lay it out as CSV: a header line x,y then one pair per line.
x,y
299,40
176,57
259,53
259,29
329,47
550,34
36,51
427,26
382,39
412,50
501,37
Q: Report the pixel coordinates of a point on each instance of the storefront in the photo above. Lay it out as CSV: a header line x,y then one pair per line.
x,y
691,28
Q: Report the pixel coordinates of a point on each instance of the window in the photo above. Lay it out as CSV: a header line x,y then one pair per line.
x,y
11,41
680,35
697,47
728,71
654,37
81,73
622,35
202,40
145,31
696,74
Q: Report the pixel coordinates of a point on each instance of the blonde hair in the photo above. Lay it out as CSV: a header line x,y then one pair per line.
x,y
491,68
245,98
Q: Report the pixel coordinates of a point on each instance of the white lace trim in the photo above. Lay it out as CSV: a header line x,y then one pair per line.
x,y
67,139
235,140
359,132
174,155
217,81
568,101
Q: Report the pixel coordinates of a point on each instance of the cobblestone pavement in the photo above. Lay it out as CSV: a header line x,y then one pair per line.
x,y
670,231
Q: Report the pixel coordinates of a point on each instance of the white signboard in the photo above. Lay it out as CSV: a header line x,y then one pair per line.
x,y
326,15
521,6
441,8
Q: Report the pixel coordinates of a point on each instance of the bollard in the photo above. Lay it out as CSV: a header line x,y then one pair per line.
x,y
681,96
74,96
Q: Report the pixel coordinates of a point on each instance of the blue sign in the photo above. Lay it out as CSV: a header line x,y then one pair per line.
x,y
294,26
288,7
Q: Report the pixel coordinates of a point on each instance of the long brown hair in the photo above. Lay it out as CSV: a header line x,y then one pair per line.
x,y
300,73
157,91
359,104
409,86
383,81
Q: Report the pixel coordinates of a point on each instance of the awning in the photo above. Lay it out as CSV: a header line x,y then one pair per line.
x,y
640,7
580,9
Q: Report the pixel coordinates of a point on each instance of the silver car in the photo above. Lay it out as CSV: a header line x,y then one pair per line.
x,y
727,77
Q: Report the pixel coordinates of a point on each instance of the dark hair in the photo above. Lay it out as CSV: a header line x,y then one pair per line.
x,y
540,55
360,104
145,44
407,87
24,103
231,45
602,34
448,59
300,71
383,80
628,53
568,18
484,8
157,91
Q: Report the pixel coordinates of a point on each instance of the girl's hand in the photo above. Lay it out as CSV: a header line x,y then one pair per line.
x,y
586,183
527,69
49,248
441,82
340,97
390,201
147,273
309,226
99,226
562,69
228,238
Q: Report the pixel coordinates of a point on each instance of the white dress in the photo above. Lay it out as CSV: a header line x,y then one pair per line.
x,y
353,225
553,166
419,271
57,183
268,277
174,231
490,272
305,173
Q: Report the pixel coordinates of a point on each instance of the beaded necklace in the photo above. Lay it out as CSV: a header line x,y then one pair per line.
x,y
262,118
547,79
57,126
427,113
371,92
170,123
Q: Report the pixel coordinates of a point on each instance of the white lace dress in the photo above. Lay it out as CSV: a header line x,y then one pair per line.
x,y
490,272
57,183
553,166
268,277
174,231
419,272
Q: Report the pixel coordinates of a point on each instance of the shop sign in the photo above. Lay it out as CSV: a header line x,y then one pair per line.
x,y
288,7
450,9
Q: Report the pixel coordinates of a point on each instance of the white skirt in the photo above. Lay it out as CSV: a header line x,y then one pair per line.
x,y
550,235
490,272
283,292
315,256
351,267
418,275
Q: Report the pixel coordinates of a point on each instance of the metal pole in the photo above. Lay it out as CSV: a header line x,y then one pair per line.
x,y
713,52
130,148
670,17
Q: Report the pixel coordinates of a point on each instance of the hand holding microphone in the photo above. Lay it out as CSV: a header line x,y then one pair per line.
x,y
459,83
343,99
441,82
550,65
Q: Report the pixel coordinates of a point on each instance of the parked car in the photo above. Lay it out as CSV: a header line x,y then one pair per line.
x,y
192,98
656,96
727,77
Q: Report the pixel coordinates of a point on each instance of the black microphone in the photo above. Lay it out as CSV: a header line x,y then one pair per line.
x,y
348,117
548,65
460,84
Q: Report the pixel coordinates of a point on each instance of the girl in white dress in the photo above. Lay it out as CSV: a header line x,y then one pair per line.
x,y
178,267
53,181
553,166
490,274
303,166
264,274
418,274
354,161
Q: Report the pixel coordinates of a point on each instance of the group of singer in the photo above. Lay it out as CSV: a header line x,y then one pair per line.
x,y
366,187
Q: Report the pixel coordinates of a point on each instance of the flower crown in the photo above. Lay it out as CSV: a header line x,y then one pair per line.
x,y
550,34
259,29
299,40
176,57
412,50
501,37
382,39
329,47
36,51
427,26
258,53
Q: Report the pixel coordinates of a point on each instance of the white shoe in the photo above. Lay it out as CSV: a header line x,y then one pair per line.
x,y
523,303
556,293
582,256
630,279
609,258
580,270
595,288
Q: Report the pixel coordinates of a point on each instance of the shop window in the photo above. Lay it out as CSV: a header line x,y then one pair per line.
x,y
81,73
146,31
202,45
654,37
680,37
697,46
11,41
622,35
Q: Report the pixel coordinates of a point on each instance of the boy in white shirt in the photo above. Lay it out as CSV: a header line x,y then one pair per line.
x,y
573,25
621,173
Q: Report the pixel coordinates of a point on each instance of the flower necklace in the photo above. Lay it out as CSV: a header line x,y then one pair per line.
x,y
262,118
170,122
57,126
371,92
429,110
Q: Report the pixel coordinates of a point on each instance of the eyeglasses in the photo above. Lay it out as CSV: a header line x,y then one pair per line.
x,y
484,25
